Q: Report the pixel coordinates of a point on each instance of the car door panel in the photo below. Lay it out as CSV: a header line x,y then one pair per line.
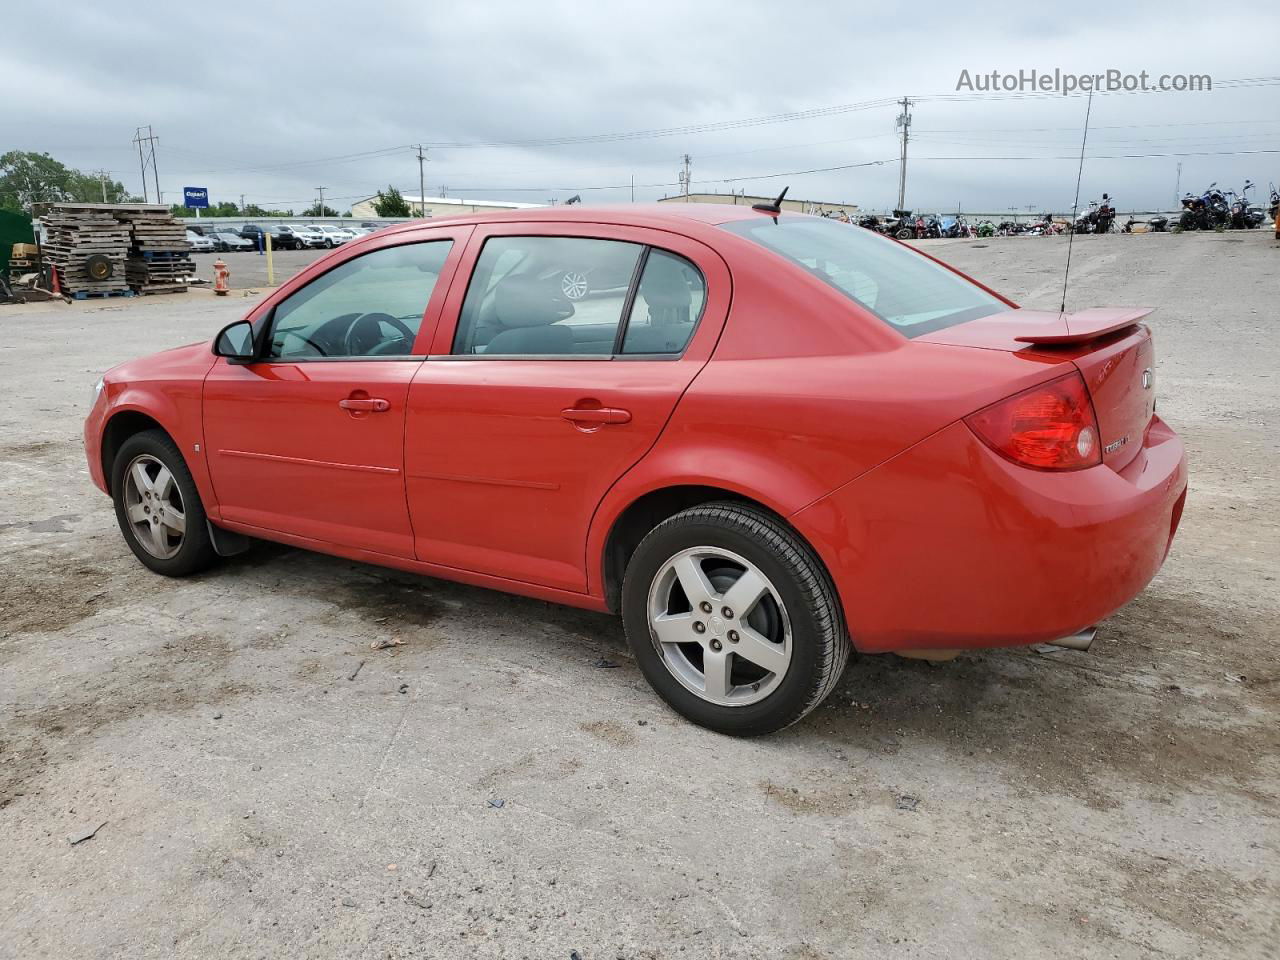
x,y
314,446
285,456
502,478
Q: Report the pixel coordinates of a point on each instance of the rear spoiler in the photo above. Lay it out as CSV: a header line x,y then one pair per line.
x,y
1078,327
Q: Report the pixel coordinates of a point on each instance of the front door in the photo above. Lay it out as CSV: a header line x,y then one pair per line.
x,y
569,353
309,439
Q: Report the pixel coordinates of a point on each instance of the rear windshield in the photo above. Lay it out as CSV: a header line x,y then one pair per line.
x,y
909,292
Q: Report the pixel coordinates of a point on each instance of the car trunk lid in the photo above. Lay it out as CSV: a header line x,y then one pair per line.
x,y
1113,351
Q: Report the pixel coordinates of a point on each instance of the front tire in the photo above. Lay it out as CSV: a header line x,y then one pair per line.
x,y
733,620
158,507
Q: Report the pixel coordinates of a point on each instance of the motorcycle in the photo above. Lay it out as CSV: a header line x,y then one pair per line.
x,y
1158,225
1195,213
986,229
1085,219
1239,216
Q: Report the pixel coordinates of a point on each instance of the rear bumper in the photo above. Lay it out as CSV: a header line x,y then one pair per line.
x,y
950,546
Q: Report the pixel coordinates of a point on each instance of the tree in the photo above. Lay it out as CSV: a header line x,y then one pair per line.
x,y
27,177
391,204
315,210
253,210
97,188
224,209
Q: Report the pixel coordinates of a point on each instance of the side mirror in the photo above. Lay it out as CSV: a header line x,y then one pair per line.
x,y
235,342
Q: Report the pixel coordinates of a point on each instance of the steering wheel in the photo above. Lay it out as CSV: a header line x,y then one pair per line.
x,y
364,336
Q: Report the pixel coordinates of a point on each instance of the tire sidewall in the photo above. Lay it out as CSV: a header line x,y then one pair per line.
x,y
796,691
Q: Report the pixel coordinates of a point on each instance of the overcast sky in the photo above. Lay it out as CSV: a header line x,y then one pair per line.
x,y
269,100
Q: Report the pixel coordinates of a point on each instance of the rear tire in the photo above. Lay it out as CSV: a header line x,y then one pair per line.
x,y
158,507
749,671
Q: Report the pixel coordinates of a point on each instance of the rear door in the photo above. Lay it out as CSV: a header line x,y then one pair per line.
x,y
540,393
309,440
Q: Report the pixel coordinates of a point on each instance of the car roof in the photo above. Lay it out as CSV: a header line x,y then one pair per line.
x,y
674,215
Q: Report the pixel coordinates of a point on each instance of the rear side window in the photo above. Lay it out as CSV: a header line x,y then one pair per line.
x,y
666,307
546,296
909,292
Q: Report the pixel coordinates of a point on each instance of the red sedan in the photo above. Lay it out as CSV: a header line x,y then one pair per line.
x,y
774,439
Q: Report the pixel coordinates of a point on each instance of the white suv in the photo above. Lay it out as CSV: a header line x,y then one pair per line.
x,y
334,236
309,236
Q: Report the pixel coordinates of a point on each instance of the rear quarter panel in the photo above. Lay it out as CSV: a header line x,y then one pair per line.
x,y
805,392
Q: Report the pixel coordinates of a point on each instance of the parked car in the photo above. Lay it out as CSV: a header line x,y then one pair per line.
x,y
908,463
308,235
253,233
579,281
283,238
199,243
334,236
225,240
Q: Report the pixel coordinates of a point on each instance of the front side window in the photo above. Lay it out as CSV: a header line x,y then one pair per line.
x,y
369,306
536,296
907,291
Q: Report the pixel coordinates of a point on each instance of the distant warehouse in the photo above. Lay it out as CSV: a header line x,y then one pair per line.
x,y
831,208
439,206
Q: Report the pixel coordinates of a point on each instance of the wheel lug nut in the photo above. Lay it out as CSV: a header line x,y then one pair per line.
x,y
733,636
727,613
716,645
704,607
699,627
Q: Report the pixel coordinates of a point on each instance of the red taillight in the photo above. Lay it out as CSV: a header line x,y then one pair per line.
x,y
1050,427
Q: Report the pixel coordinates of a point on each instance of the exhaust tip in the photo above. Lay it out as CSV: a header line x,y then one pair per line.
x,y
1082,640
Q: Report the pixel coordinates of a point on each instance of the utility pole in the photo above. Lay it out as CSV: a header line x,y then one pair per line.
x,y
102,176
320,207
904,124
242,203
1177,188
684,177
150,139
422,184
633,188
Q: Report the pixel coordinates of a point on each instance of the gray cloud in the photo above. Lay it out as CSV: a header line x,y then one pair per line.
x,y
247,97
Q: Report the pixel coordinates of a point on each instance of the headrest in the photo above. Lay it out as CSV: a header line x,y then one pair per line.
x,y
527,301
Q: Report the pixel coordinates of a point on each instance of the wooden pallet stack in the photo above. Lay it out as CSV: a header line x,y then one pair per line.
x,y
76,233
160,257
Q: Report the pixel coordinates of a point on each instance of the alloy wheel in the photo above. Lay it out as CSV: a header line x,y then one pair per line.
x,y
153,504
719,626
574,284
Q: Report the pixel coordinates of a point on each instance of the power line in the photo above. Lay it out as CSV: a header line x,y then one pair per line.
x,y
696,128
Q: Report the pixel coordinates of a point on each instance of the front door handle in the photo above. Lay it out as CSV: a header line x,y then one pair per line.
x,y
596,415
371,404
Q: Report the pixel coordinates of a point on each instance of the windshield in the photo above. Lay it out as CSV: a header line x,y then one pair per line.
x,y
909,292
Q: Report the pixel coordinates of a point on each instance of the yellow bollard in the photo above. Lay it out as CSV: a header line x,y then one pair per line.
x,y
271,272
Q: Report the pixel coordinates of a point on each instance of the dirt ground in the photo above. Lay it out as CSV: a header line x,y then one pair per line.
x,y
505,785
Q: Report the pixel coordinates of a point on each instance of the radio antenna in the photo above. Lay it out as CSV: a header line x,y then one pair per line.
x,y
1075,206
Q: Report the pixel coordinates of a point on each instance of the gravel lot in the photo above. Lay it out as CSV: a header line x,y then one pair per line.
x,y
493,789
